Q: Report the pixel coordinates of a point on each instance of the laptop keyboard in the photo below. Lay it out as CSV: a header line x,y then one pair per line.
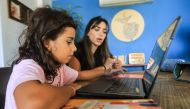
x,y
124,85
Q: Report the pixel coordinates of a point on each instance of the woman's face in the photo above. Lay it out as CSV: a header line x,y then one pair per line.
x,y
98,34
63,47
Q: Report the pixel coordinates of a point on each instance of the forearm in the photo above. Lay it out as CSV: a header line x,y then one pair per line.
x,y
41,96
91,74
57,97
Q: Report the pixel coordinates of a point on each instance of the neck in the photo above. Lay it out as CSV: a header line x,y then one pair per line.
x,y
94,48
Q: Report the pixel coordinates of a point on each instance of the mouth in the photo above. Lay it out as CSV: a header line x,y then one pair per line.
x,y
100,40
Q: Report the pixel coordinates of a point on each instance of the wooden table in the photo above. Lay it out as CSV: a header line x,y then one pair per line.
x,y
171,94
129,104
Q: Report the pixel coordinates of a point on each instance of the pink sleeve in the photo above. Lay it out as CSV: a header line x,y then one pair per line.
x,y
68,75
27,70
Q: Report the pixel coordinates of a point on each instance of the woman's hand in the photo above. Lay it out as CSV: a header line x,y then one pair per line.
x,y
109,63
117,64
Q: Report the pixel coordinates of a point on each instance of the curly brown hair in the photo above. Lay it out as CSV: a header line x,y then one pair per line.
x,y
44,24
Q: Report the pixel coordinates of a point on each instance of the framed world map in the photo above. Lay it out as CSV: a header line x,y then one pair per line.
x,y
127,25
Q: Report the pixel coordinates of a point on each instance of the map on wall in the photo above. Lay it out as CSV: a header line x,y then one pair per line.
x,y
127,25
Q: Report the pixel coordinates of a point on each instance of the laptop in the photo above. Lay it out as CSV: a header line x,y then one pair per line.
x,y
109,87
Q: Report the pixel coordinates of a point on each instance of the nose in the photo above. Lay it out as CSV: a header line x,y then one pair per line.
x,y
74,48
101,33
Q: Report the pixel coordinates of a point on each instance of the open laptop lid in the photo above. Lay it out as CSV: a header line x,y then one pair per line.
x,y
158,53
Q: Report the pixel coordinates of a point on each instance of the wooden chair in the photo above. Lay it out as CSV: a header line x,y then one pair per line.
x,y
5,73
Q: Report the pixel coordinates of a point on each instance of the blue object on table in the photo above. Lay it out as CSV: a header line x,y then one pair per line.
x,y
180,69
169,64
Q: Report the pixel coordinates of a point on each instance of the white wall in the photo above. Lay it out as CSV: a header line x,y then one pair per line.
x,y
1,47
10,31
47,2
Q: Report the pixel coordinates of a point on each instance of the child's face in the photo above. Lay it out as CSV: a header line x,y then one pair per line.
x,y
63,47
98,34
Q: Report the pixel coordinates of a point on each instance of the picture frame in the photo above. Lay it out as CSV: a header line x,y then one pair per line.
x,y
136,58
18,11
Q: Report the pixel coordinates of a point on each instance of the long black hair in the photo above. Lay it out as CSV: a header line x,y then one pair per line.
x,y
44,24
103,50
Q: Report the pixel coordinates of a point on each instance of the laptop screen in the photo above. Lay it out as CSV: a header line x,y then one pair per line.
x,y
158,53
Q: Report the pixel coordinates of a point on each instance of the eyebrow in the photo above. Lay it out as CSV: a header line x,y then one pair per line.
x,y
103,28
70,37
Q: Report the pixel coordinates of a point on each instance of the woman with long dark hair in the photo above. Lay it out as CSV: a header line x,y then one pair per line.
x,y
93,58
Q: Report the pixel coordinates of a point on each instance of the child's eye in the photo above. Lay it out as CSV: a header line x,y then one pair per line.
x,y
69,41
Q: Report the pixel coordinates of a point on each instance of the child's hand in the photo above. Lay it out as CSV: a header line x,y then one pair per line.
x,y
76,86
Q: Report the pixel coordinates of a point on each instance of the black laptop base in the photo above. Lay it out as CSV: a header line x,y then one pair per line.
x,y
107,96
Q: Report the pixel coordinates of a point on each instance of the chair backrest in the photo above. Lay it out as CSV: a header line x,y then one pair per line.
x,y
5,73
